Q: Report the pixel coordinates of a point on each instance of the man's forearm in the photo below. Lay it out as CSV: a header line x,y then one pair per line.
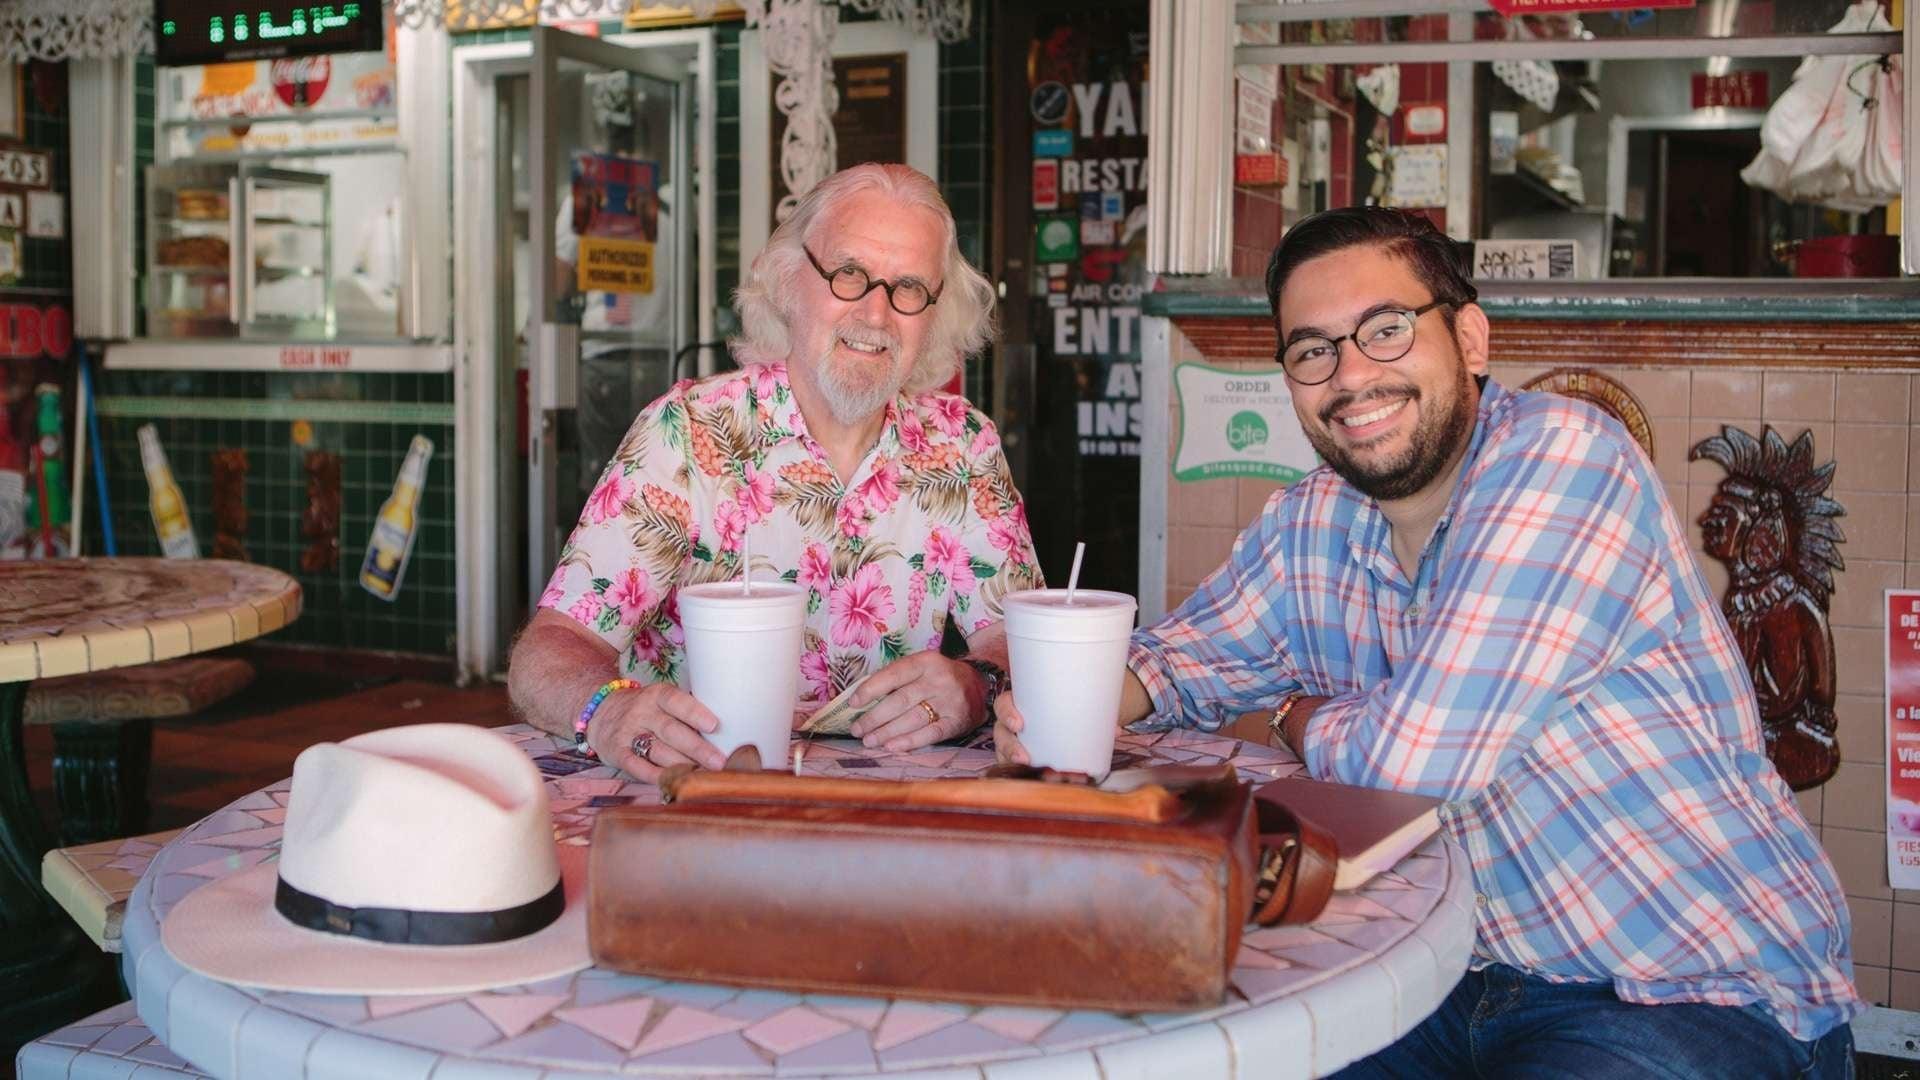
x,y
1293,729
552,675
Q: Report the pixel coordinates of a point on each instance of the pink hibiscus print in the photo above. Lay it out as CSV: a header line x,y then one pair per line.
x,y
633,592
913,436
1007,533
610,498
819,677
730,521
649,647
882,487
586,610
816,568
755,494
852,516
981,624
555,592
948,555
916,595
766,382
861,609
732,389
985,441
949,414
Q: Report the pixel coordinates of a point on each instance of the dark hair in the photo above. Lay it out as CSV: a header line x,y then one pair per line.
x,y
1439,261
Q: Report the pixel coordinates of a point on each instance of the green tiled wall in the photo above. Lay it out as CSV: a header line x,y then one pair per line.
x,y
375,418
380,413
47,265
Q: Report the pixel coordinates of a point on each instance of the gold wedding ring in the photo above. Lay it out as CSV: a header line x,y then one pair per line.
x,y
933,717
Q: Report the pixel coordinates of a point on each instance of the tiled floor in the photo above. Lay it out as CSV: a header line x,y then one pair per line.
x,y
201,763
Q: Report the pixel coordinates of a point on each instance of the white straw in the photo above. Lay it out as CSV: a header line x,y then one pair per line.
x,y
1073,575
746,560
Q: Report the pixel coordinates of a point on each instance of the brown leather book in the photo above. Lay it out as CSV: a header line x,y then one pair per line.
x,y
1373,828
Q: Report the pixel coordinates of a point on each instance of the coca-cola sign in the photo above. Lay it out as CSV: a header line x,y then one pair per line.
x,y
299,83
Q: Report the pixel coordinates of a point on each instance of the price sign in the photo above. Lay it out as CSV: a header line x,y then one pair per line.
x,y
28,168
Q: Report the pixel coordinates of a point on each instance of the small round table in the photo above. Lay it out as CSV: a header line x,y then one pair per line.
x,y
68,617
1305,999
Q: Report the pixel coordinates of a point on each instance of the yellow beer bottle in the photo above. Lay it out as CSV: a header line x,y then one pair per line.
x,y
164,500
394,527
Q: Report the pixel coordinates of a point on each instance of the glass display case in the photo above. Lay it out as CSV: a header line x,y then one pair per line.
x,y
238,250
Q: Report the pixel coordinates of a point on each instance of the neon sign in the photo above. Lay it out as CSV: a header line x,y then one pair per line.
x,y
211,31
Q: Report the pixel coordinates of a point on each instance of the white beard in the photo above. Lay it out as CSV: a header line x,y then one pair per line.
x,y
855,391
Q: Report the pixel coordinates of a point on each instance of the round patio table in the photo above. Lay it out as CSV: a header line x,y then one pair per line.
x,y
68,617
1305,999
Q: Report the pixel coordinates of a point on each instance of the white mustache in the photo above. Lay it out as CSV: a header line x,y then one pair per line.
x,y
861,334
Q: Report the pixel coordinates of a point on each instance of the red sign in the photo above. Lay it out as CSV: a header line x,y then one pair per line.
x,y
1734,90
28,332
299,83
1046,184
315,357
1903,738
1556,7
1259,170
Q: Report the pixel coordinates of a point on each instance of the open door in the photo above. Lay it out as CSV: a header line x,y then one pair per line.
x,y
611,200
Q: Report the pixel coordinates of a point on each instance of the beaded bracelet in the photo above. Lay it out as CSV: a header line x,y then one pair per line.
x,y
593,704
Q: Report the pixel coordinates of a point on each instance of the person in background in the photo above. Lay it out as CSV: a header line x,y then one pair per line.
x,y
1484,596
887,499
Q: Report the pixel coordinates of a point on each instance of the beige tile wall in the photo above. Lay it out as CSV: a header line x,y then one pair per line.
x,y
1870,425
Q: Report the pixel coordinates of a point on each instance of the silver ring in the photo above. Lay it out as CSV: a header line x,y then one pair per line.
x,y
642,744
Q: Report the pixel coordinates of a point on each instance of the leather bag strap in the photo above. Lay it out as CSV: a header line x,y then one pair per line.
x,y
1297,864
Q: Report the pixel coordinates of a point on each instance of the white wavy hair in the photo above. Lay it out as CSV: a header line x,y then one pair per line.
x,y
963,318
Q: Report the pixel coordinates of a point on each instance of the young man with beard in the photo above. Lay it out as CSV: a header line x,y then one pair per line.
x,y
1484,596
889,500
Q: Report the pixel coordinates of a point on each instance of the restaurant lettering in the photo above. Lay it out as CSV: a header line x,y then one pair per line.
x,y
28,332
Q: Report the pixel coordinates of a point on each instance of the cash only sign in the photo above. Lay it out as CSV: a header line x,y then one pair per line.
x,y
1237,423
1903,738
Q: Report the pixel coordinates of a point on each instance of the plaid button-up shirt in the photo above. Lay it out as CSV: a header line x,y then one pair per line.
x,y
1559,671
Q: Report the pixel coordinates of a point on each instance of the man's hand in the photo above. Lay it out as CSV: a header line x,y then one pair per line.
x,y
666,720
922,699
1007,726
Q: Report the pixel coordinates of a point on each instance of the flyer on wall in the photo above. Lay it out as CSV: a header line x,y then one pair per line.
x,y
1903,738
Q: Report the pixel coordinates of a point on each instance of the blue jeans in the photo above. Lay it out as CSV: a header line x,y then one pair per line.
x,y
1501,1022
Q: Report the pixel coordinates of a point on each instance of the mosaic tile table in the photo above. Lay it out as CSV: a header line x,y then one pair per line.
x,y
67,617
1306,999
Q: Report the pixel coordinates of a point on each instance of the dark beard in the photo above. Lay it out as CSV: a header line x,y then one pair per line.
x,y
1432,445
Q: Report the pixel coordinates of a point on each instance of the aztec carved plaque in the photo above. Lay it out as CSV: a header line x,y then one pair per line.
x,y
1596,389
1773,527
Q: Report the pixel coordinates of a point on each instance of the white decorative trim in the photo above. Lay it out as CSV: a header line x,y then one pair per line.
x,y
74,29
854,39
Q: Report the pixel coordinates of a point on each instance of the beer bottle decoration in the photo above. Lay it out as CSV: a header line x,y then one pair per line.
x,y
164,500
395,526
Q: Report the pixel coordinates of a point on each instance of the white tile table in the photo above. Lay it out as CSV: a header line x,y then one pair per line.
x,y
1305,999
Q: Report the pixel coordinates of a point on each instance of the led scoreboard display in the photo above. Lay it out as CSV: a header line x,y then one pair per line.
x,y
211,31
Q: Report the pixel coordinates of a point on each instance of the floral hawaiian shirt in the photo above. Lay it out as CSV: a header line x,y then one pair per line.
x,y
929,529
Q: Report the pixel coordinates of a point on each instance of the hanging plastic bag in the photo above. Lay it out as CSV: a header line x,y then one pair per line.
x,y
1834,136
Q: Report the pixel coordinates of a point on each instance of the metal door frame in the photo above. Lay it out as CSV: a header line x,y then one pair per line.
x,y
481,448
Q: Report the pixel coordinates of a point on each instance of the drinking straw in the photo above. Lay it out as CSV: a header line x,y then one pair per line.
x,y
746,560
1073,575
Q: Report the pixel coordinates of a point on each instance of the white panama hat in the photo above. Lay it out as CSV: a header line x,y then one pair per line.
x,y
415,860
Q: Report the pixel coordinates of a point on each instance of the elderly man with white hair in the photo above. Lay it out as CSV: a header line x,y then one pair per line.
x,y
860,480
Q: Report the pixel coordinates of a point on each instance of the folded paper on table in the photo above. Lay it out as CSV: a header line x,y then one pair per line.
x,y
1373,828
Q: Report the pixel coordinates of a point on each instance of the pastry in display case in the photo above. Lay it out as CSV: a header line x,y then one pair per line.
x,y
238,250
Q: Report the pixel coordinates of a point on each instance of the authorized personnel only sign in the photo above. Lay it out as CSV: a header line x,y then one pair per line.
x,y
617,266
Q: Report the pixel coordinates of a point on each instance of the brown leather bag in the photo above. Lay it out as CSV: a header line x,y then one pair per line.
x,y
1129,896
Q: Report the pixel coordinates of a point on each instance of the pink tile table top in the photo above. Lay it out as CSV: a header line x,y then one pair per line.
x,y
1379,961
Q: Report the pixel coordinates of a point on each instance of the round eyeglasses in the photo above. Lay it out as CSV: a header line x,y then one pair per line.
x,y
908,296
1382,337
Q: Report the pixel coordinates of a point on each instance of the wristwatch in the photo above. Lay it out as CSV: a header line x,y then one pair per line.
x,y
995,678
